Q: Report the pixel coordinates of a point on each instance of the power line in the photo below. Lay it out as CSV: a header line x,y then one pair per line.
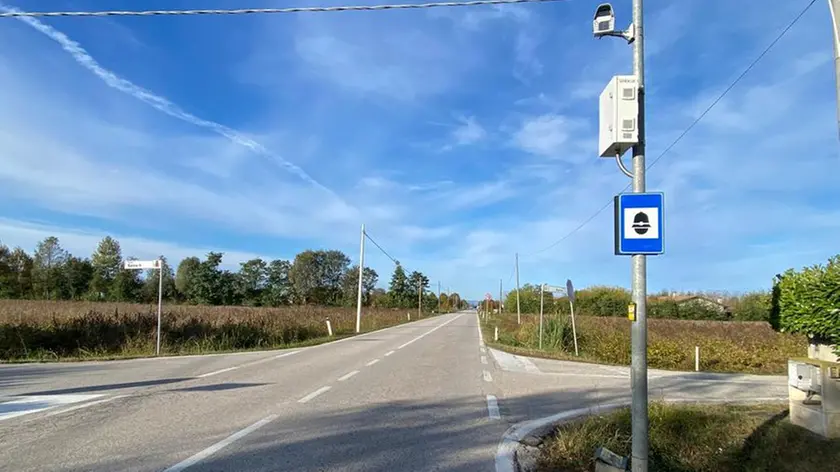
x,y
381,249
12,13
690,127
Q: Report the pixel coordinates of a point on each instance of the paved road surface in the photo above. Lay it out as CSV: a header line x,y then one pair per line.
x,y
422,396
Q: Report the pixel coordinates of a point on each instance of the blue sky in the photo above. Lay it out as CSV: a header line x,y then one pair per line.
x,y
458,136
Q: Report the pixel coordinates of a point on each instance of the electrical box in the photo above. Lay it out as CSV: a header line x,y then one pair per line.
x,y
618,116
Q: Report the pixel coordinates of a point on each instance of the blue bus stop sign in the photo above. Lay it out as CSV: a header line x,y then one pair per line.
x,y
639,224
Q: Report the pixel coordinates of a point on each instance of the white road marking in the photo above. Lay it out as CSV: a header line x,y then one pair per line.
x,y
493,408
34,403
480,334
347,375
487,377
483,350
79,407
247,364
389,353
314,394
484,360
220,445
372,362
430,331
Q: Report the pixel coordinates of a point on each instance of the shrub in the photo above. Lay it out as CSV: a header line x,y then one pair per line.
x,y
602,301
755,306
808,301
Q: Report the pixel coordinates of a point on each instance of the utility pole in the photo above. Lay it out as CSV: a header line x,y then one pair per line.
x,y
438,296
638,331
500,296
361,273
518,312
834,9
419,299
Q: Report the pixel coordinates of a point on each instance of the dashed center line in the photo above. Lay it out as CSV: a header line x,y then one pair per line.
x,y
347,375
484,360
388,353
430,331
371,362
493,408
487,376
314,394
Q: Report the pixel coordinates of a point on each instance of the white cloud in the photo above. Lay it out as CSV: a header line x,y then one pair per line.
x,y
548,135
468,132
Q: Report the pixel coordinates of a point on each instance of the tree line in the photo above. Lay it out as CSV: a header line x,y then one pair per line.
x,y
316,277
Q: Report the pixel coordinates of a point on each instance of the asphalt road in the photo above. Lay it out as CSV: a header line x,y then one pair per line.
x,y
422,396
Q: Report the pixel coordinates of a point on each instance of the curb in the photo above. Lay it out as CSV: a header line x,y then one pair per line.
x,y
509,448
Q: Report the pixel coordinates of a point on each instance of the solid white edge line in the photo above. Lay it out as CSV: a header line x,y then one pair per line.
x,y
484,360
493,408
79,407
347,375
506,451
314,394
480,334
430,331
389,353
487,376
247,364
219,445
371,362
216,372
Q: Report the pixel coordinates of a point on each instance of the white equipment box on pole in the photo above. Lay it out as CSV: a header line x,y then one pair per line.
x,y
619,116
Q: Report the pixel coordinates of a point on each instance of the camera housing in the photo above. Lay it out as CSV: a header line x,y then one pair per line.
x,y
604,22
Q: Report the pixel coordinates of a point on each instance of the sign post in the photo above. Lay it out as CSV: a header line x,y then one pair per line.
x,y
570,292
156,264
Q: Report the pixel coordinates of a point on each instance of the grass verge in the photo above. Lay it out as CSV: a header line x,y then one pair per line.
x,y
725,346
697,438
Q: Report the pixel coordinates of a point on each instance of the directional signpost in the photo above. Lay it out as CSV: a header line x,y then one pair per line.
x,y
156,264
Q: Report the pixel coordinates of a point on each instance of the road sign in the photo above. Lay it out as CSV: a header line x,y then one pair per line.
x,y
552,288
142,264
639,223
570,290
487,296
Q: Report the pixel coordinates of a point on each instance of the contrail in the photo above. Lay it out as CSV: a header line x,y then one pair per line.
x,y
123,85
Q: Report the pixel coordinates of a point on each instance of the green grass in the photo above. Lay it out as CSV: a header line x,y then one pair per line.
x,y
721,438
725,346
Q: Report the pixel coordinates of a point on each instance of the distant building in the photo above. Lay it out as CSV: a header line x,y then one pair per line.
x,y
716,304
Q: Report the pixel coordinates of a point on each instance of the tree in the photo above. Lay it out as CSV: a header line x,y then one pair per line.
x,y
21,265
76,278
185,277
205,281
399,291
278,289
47,265
126,286
317,275
252,280
107,263
7,275
350,285
151,283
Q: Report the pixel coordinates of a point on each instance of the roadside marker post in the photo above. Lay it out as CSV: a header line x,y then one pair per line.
x,y
155,264
570,292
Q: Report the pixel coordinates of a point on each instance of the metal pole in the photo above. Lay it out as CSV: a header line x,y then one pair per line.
x,y
500,296
574,330
834,9
638,333
438,296
361,273
160,303
518,312
542,290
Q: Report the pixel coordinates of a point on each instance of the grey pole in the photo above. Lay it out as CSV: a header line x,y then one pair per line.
x,y
834,9
638,332
518,312
419,299
500,296
438,296
542,290
160,302
361,273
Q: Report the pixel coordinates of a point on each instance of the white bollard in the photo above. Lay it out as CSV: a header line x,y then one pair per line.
x,y
696,358
409,316
497,334
329,328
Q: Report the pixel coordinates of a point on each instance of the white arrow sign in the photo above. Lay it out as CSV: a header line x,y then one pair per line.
x,y
142,264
